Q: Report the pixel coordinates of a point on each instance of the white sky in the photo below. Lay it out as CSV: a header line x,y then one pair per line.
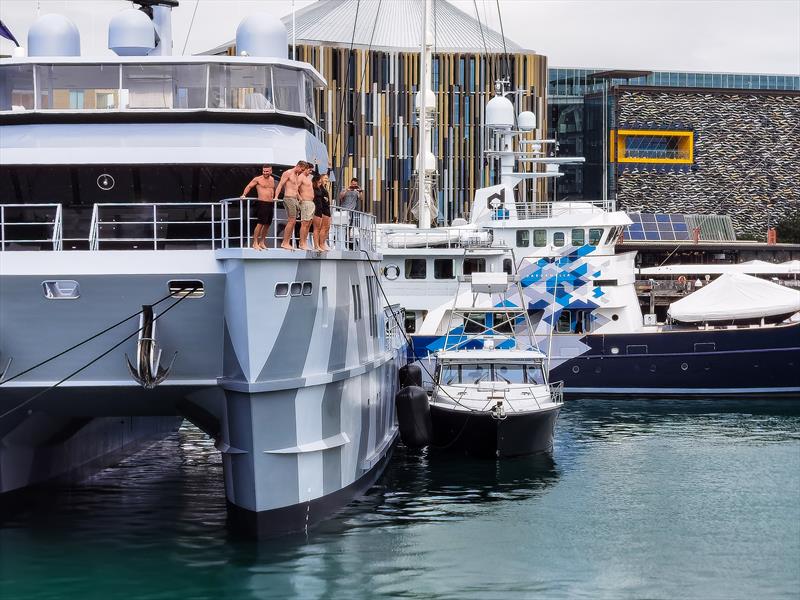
x,y
757,36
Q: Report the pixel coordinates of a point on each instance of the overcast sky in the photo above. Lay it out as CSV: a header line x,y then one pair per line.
x,y
760,36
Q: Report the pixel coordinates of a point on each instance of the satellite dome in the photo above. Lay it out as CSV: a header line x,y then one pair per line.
x,y
526,120
261,34
131,33
54,35
500,112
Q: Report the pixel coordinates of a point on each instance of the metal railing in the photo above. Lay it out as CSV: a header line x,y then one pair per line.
x,y
229,223
156,226
557,392
395,318
543,210
20,229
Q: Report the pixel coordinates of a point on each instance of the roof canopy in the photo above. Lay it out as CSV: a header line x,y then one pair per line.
x,y
398,27
736,296
753,267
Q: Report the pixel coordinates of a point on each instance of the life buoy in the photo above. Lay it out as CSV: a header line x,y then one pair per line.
x,y
682,280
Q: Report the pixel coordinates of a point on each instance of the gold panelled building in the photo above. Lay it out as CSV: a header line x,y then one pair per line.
x,y
368,110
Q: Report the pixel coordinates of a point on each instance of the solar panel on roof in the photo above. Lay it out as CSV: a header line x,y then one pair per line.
x,y
657,227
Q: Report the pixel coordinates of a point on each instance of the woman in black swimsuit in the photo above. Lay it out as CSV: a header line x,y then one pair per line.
x,y
322,212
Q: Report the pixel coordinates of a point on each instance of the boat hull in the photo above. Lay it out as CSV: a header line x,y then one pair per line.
x,y
758,362
481,435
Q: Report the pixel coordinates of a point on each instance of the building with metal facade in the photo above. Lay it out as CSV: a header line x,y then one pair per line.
x,y
368,110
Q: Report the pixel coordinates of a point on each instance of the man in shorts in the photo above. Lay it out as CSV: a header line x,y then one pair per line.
x,y
289,183
265,205
305,192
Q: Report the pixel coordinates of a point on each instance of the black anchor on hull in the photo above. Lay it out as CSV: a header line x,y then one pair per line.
x,y
148,371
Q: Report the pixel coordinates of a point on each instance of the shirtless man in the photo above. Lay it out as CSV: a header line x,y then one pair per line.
x,y
290,180
265,206
305,191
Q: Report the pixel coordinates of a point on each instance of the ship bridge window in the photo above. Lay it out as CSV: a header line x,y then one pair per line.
x,y
558,238
574,321
163,86
594,236
416,268
523,238
91,87
540,238
247,87
474,265
288,86
475,323
16,87
308,96
443,268
578,237
508,266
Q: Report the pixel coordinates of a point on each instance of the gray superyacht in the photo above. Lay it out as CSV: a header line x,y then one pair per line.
x,y
130,296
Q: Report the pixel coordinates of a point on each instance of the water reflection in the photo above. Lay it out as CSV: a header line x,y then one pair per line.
x,y
630,486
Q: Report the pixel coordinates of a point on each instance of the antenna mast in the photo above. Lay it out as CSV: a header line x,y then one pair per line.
x,y
426,107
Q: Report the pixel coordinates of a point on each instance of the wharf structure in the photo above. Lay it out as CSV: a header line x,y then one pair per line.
x,y
368,111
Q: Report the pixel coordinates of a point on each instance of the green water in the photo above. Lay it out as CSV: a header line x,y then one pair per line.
x,y
640,500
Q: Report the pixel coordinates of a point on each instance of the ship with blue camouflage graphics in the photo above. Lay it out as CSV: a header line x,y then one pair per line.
x,y
578,291
130,296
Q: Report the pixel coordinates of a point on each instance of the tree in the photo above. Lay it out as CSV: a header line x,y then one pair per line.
x,y
789,229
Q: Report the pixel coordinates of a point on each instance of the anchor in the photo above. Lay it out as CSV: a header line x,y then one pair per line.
x,y
148,371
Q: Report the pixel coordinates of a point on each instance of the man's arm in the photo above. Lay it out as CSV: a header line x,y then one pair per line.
x,y
341,194
249,187
281,183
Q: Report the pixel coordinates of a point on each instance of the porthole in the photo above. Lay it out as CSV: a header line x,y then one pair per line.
x,y
576,369
296,288
615,317
652,368
281,290
192,288
307,288
391,272
597,370
614,350
61,289
684,367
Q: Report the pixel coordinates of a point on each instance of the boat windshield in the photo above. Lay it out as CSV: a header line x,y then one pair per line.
x,y
510,373
473,374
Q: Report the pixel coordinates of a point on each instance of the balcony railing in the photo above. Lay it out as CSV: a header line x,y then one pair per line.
x,y
544,210
211,225
30,227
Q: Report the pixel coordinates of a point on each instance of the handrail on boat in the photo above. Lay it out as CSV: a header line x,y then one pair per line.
x,y
11,229
228,223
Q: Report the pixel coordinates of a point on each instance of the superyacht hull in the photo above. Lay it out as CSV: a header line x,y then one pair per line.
x,y
753,362
285,359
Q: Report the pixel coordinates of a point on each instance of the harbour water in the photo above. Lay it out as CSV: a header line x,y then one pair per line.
x,y
640,500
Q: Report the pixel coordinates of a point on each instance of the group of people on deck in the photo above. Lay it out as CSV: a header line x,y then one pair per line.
x,y
306,198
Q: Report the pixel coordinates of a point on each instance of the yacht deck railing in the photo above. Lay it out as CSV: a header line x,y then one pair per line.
x,y
544,210
228,223
30,226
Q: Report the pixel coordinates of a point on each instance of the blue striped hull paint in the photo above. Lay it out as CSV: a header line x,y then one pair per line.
x,y
758,361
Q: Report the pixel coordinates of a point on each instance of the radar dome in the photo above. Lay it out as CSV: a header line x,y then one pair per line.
x,y
54,35
261,34
526,120
500,112
131,33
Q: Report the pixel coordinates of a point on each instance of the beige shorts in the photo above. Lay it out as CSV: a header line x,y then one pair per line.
x,y
307,208
292,207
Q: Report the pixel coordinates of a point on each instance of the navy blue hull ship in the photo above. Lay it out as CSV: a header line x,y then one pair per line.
x,y
580,293
714,362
